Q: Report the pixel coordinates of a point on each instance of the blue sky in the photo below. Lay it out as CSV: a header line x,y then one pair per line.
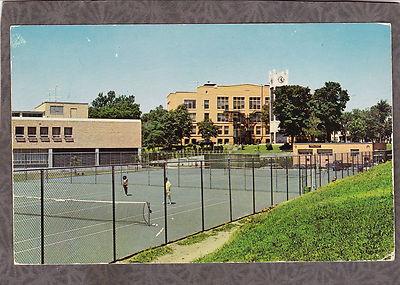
x,y
150,61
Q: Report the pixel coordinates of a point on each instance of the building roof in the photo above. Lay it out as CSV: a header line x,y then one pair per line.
x,y
76,119
55,102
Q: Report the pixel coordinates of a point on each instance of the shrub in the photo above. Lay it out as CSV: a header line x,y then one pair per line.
x,y
269,146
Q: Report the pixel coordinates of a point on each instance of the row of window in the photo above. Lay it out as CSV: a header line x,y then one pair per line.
x,y
223,103
353,152
224,130
43,133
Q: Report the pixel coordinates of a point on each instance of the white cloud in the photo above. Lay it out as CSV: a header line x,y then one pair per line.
x,y
17,40
88,39
116,54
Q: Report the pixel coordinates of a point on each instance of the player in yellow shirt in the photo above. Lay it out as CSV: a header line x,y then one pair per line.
x,y
168,186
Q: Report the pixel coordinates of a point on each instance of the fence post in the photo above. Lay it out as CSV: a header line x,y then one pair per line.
x,y
165,205
245,170
315,170
210,168
335,159
327,168
148,174
352,163
95,175
202,195
254,186
300,178
320,170
230,189
113,212
70,172
306,168
287,176
272,182
358,167
347,163
42,216
341,158
179,172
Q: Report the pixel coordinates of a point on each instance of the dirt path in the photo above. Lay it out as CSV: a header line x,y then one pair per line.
x,y
188,253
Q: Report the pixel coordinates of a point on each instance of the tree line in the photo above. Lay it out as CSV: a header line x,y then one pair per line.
x,y
315,117
302,115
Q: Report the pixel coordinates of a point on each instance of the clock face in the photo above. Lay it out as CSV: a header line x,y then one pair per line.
x,y
281,79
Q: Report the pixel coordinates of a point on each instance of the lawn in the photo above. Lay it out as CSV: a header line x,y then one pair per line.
x,y
350,219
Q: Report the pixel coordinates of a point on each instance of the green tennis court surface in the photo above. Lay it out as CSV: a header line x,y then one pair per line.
x,y
78,219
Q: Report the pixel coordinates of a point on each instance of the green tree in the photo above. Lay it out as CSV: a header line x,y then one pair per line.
x,y
207,129
312,131
344,122
291,108
382,124
357,126
154,127
328,104
111,106
180,123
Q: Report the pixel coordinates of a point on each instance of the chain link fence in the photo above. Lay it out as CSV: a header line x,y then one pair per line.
x,y
86,214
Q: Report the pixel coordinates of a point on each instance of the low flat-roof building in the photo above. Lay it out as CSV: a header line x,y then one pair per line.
x,y
60,134
323,153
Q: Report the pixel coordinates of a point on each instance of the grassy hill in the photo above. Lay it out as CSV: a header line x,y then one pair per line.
x,y
350,219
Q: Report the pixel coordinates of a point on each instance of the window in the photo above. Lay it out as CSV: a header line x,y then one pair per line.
x,y
190,104
267,130
305,151
258,130
32,134
19,131
193,116
219,130
238,103
255,103
219,141
226,141
325,151
221,117
206,104
223,103
44,134
194,141
68,131
206,116
32,131
44,131
267,101
56,131
354,151
187,141
193,131
56,110
226,130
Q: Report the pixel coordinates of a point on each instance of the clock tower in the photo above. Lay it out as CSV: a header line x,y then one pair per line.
x,y
276,79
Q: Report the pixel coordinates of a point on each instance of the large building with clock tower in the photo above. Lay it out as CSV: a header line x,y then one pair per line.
x,y
234,109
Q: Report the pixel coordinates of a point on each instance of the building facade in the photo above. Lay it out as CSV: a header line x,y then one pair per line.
x,y
221,104
57,134
324,153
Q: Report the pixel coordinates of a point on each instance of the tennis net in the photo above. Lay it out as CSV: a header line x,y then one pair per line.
x,y
96,210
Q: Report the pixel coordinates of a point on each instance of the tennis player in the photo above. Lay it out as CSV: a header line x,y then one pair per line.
x,y
168,186
125,185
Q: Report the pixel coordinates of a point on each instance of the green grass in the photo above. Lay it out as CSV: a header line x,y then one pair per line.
x,y
389,146
350,219
150,255
253,149
194,239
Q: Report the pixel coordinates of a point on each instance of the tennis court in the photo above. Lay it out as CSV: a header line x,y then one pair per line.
x,y
78,210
